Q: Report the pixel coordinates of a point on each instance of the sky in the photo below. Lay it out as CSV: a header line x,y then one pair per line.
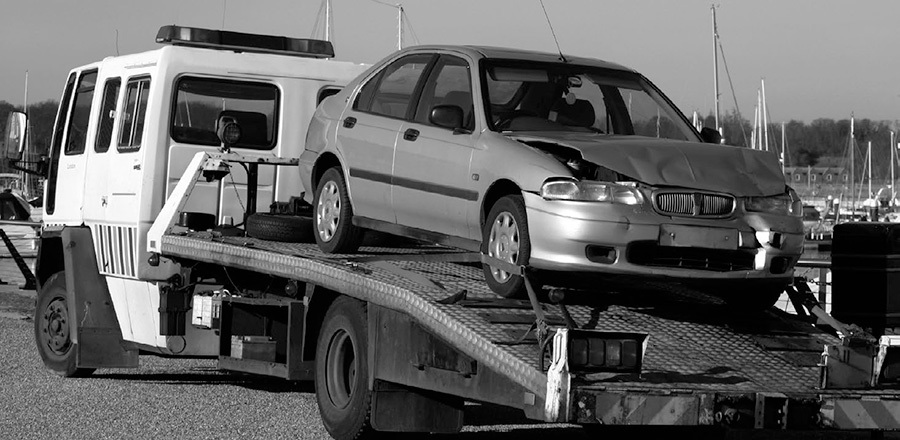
x,y
815,58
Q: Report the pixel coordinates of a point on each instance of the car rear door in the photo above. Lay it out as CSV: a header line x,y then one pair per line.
x,y
368,134
433,188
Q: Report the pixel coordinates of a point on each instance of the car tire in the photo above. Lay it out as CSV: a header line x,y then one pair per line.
x,y
505,236
342,370
53,331
283,228
333,215
753,297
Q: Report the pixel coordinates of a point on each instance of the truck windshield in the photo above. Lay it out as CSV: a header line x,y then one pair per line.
x,y
200,101
562,97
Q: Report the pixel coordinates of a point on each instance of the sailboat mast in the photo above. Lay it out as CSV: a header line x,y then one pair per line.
x,y
715,65
893,191
399,27
852,173
327,20
783,147
765,115
869,165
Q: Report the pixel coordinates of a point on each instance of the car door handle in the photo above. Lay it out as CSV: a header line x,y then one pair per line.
x,y
411,134
349,122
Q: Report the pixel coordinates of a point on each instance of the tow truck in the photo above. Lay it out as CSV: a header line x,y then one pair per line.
x,y
172,226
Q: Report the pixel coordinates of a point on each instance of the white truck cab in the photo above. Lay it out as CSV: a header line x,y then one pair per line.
x,y
128,126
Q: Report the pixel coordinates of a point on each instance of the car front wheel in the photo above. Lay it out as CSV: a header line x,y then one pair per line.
x,y
335,233
505,237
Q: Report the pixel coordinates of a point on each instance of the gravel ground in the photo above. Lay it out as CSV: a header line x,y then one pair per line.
x,y
174,398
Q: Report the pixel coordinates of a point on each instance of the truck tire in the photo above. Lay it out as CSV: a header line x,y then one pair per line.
x,y
53,331
342,371
333,215
284,228
505,237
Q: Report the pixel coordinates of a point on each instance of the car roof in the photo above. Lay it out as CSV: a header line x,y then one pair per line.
x,y
506,53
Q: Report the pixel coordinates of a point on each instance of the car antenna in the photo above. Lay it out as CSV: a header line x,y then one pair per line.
x,y
561,56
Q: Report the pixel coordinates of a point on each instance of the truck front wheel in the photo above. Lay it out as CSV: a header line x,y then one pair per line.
x,y
53,330
342,370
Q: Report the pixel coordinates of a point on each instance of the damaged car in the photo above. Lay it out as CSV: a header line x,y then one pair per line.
x,y
576,168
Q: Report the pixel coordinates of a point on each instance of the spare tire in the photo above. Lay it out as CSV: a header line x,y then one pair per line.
x,y
277,227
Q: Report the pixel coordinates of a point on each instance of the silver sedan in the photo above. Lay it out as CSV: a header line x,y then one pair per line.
x,y
560,164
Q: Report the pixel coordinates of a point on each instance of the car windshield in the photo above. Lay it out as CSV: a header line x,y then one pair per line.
x,y
564,97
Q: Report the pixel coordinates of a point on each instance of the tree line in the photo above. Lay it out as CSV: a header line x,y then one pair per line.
x,y
807,144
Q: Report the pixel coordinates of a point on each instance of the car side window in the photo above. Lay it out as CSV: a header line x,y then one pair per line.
x,y
449,83
390,92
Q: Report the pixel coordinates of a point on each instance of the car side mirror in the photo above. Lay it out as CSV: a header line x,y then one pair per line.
x,y
710,135
447,116
15,136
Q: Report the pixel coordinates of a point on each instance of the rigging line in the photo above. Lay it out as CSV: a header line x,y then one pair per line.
x,y
224,8
552,32
410,26
315,29
385,3
731,85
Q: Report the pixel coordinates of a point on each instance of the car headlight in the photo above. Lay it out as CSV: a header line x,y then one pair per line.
x,y
788,203
591,191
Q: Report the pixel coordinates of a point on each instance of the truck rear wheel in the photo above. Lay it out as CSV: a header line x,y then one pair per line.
x,y
53,331
342,371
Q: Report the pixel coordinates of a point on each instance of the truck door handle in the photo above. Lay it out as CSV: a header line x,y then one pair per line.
x,y
349,122
411,134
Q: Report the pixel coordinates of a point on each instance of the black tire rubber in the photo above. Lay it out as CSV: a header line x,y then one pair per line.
x,y
342,387
514,287
279,227
753,297
347,237
51,300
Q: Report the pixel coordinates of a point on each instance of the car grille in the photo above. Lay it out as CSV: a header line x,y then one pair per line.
x,y
694,204
718,260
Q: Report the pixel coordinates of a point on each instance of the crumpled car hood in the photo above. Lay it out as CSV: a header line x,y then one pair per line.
x,y
662,162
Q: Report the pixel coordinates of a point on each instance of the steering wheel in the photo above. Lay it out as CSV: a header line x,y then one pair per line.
x,y
505,120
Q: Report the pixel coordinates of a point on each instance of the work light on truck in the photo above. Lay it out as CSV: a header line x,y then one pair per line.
x,y
242,42
606,351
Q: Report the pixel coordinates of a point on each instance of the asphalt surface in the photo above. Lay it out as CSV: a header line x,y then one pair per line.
x,y
178,398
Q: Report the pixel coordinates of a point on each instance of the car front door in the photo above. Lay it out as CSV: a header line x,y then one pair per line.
x,y
368,134
433,189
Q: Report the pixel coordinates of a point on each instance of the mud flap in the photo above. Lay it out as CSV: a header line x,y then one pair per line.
x,y
97,335
433,412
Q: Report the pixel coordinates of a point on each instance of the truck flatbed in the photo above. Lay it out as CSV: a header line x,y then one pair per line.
x,y
698,347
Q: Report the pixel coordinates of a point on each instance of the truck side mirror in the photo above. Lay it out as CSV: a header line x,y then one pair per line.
x,y
15,136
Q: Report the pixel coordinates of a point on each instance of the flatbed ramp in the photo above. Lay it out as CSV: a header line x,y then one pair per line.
x,y
700,354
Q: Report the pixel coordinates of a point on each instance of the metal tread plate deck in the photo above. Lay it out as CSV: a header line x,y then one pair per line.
x,y
696,344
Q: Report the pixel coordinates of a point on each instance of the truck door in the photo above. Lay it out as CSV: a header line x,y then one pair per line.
x,y
65,182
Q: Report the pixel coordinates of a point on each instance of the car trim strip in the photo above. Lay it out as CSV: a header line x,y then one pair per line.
x,y
418,185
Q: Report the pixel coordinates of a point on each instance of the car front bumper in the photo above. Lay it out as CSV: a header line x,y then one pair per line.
x,y
635,240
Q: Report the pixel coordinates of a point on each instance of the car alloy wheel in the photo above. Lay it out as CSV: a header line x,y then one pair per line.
x,y
328,211
503,244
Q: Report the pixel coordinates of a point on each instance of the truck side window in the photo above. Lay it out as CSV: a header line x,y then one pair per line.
x,y
107,114
136,95
81,113
200,101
